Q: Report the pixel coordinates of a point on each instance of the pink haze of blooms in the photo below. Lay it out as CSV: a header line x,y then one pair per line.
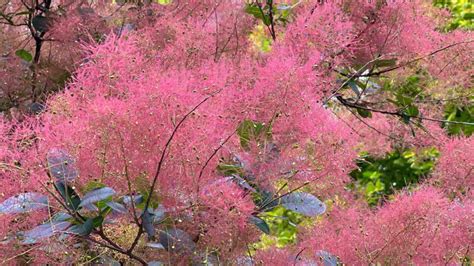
x,y
129,90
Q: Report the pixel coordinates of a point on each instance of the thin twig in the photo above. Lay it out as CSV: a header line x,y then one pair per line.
x,y
212,156
397,113
160,164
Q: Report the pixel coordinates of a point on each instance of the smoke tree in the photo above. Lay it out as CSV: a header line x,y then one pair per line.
x,y
177,137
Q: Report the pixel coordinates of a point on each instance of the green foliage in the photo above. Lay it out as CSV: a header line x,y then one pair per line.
x,y
283,227
260,39
25,55
70,197
280,13
405,96
163,2
278,214
364,113
83,229
142,184
462,13
249,130
259,12
92,185
261,224
466,261
228,169
459,113
378,178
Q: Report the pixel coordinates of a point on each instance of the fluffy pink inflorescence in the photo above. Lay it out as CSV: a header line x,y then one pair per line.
x,y
455,169
134,87
422,227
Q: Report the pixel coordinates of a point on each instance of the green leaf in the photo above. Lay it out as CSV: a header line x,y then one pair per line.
x,y
249,130
261,224
264,198
97,221
97,195
229,169
244,131
24,202
405,119
459,113
258,13
68,194
468,16
143,184
253,10
377,177
83,229
164,2
147,223
116,206
327,258
92,185
303,203
364,113
385,62
412,111
61,217
25,55
61,165
403,100
43,231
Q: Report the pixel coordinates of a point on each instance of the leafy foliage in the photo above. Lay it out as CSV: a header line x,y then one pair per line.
x,y
303,203
282,226
457,113
378,178
462,12
25,55
24,202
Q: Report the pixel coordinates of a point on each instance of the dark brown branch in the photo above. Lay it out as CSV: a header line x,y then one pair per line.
x,y
396,113
210,158
378,73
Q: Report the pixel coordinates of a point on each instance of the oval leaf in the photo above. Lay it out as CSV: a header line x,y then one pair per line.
x,y
303,203
116,207
61,165
261,224
61,217
97,195
24,54
159,214
147,220
68,194
242,183
43,231
24,202
82,229
137,199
